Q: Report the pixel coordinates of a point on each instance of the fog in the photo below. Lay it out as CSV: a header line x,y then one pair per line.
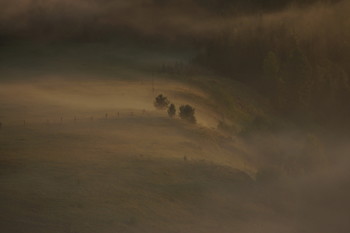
x,y
81,162
83,147
68,19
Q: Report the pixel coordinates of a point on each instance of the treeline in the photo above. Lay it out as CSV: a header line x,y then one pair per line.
x,y
244,6
239,6
303,78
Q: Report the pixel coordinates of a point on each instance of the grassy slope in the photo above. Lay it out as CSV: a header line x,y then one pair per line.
x,y
108,176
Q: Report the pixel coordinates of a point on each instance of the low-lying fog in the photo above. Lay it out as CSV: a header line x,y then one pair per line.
x,y
94,155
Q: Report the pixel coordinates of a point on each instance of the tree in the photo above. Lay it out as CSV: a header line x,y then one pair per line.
x,y
187,113
171,110
161,102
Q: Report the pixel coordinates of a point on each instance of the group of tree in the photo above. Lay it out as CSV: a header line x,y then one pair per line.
x,y
236,6
186,112
299,78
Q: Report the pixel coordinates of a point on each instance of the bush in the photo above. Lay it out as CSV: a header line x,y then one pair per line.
x,y
187,113
161,102
171,110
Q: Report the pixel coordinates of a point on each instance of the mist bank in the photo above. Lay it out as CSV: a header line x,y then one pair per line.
x,y
297,182
159,20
